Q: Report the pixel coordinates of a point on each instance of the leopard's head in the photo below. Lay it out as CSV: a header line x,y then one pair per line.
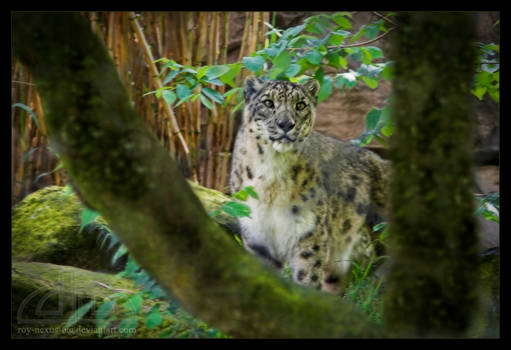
x,y
280,111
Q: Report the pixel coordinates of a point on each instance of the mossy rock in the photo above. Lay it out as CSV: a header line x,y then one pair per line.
x,y
45,228
45,295
46,225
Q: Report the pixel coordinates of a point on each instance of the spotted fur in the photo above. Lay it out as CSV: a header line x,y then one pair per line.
x,y
315,193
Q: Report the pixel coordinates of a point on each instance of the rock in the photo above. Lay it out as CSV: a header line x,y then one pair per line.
x,y
44,295
45,228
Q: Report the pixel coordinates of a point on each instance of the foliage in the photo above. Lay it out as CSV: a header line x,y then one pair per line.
x,y
363,286
322,47
126,312
489,206
487,77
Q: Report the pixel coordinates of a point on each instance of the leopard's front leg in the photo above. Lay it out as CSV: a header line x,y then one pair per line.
x,y
310,267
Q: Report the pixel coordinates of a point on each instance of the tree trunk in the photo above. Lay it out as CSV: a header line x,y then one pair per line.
x,y
124,173
432,289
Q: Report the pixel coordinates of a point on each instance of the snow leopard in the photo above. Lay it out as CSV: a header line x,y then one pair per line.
x,y
318,196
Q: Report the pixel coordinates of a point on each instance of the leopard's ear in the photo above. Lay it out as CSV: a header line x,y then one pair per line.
x,y
312,87
252,85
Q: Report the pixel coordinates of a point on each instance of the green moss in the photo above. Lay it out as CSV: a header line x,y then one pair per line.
x,y
45,228
44,295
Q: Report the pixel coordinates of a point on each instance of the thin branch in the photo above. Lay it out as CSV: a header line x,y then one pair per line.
x,y
155,74
385,18
488,62
348,45
365,42
114,289
22,82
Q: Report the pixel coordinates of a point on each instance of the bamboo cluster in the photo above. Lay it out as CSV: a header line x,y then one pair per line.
x,y
199,139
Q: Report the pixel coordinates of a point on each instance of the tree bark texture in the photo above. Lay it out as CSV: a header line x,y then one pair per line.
x,y
124,173
432,289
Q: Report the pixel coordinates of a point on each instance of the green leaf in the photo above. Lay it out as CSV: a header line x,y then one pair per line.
x,y
242,195
153,318
342,21
204,100
372,83
359,34
376,52
236,209
133,304
373,29
479,91
169,97
88,216
484,78
217,71
245,192
491,47
238,106
314,57
366,55
388,71
370,71
337,37
79,313
387,130
58,167
183,91
343,62
121,251
293,31
213,95
282,61
333,59
29,110
105,309
355,53
215,81
253,64
251,192
234,70
293,70
372,119
494,94
202,71
274,73
379,226
325,89
170,76
348,79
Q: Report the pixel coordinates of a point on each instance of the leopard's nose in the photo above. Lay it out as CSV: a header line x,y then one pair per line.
x,y
285,124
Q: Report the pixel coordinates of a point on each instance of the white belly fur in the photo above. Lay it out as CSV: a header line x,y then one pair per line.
x,y
275,227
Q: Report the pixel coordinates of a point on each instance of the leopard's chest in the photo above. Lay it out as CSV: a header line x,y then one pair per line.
x,y
279,217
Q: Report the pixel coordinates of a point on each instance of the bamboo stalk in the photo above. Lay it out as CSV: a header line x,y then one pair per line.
x,y
215,37
245,36
110,36
154,71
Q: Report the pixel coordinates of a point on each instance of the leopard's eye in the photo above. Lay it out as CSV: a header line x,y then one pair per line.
x,y
268,103
300,106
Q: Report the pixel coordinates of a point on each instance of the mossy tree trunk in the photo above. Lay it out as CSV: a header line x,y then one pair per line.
x,y
124,173
433,281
